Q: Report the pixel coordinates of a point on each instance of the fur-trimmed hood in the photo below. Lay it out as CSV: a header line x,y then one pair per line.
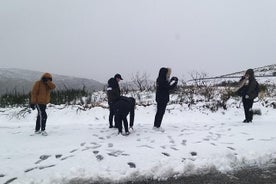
x,y
46,75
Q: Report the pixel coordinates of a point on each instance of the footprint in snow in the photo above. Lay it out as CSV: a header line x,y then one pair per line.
x,y
131,165
166,154
31,169
64,158
110,145
83,143
2,175
95,152
99,157
116,153
174,148
184,142
45,167
58,155
42,158
231,148
193,153
164,147
10,180
74,150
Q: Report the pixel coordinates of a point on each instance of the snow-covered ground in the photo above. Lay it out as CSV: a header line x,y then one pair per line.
x,y
80,144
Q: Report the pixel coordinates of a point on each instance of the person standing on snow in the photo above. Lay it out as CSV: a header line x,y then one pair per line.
x,y
248,90
163,86
40,97
113,94
123,107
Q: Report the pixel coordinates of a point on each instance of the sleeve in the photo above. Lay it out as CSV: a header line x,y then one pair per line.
x,y
51,85
253,90
34,93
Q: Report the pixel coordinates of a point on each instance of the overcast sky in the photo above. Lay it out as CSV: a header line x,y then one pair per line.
x,y
97,38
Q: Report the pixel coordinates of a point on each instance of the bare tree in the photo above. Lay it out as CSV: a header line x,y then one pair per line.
x,y
141,81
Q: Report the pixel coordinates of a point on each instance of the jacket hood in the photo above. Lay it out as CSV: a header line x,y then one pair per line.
x,y
163,73
250,72
46,75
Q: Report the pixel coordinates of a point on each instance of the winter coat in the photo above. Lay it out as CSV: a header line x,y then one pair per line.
x,y
250,87
113,90
163,86
41,90
124,106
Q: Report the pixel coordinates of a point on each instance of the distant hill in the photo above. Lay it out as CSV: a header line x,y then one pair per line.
x,y
21,81
264,75
264,71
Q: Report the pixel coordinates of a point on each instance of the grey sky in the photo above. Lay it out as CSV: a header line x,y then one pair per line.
x,y
98,38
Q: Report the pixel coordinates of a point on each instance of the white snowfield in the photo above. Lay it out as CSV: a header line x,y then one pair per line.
x,y
80,144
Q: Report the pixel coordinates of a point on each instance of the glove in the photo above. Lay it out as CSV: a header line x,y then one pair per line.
x,y
174,79
32,106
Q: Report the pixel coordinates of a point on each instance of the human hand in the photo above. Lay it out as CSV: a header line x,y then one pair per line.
x,y
32,106
174,79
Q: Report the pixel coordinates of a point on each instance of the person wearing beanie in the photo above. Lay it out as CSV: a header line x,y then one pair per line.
x,y
163,87
40,97
113,94
248,90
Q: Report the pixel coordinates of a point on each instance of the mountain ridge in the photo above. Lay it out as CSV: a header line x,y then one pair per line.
x,y
21,81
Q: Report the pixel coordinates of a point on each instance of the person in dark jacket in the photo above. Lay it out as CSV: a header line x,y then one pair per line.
x,y
248,90
113,94
123,107
163,87
40,97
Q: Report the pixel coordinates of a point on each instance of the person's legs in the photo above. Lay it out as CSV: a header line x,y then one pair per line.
x,y
250,114
161,108
118,122
247,105
43,116
125,124
111,115
38,124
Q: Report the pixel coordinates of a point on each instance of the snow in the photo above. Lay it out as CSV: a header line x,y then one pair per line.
x,y
80,144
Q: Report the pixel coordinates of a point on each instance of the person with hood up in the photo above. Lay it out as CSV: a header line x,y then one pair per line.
x,y
40,97
113,94
248,90
163,87
123,107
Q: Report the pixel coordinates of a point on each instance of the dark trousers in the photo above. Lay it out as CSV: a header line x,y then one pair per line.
x,y
111,115
161,108
119,120
41,117
247,105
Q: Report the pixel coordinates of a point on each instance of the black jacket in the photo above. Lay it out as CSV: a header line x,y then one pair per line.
x,y
251,89
113,90
163,87
124,106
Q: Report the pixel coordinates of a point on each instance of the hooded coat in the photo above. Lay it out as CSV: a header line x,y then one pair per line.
x,y
249,88
41,90
163,86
